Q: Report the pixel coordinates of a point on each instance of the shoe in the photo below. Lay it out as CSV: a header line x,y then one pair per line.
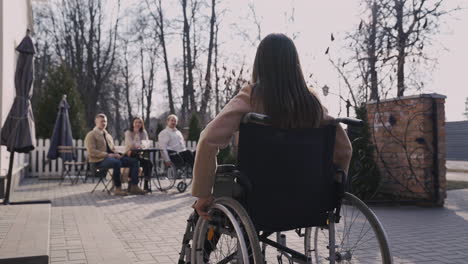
x,y
134,189
119,191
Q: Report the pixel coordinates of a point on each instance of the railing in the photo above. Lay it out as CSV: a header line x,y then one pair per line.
x,y
42,168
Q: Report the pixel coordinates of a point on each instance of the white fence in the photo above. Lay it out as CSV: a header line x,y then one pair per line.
x,y
40,167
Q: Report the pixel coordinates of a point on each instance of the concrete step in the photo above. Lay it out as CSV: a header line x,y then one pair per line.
x,y
24,233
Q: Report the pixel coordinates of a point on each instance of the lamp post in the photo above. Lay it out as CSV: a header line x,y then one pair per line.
x,y
326,91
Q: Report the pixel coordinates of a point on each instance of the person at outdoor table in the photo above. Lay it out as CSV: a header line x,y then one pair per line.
x,y
277,89
101,151
134,138
171,141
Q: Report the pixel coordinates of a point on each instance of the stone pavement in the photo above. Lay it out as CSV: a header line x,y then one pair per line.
x,y
24,233
148,229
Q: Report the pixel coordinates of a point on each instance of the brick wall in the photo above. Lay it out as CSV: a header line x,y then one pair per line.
x,y
403,133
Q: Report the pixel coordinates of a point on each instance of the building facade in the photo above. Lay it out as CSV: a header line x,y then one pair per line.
x,y
15,18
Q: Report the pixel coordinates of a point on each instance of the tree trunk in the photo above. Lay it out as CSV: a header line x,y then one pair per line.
x,y
118,117
401,46
185,94
207,93
216,69
143,81
162,39
126,75
149,94
372,54
189,60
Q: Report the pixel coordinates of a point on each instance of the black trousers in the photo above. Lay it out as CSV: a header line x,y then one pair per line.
x,y
181,158
147,166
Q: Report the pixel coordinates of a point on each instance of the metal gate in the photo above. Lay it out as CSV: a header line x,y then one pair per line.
x,y
457,140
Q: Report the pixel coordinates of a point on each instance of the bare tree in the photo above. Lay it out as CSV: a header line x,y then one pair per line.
x,y
207,92
256,21
409,29
159,19
125,72
216,69
189,103
82,41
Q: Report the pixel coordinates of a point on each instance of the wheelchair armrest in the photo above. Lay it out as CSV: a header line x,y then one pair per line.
x,y
225,168
343,183
227,182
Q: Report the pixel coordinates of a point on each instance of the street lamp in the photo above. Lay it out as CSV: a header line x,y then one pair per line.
x,y
326,91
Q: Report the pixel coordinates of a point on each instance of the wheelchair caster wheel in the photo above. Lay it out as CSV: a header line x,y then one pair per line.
x,y
181,187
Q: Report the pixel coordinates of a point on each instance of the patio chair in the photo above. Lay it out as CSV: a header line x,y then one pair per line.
x,y
68,166
101,173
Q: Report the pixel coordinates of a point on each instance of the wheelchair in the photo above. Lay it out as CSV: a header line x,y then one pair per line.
x,y
166,177
285,182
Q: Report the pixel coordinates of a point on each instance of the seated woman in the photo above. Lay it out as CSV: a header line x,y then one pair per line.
x,y
134,137
278,89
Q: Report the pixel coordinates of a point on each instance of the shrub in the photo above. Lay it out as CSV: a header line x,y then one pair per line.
x,y
194,128
363,170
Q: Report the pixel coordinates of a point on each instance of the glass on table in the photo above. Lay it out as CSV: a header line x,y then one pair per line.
x,y
145,144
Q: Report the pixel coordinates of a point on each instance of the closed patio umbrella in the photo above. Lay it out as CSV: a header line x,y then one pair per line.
x,y
61,142
18,132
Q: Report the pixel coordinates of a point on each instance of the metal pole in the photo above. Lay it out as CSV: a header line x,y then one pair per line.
x,y
348,105
6,200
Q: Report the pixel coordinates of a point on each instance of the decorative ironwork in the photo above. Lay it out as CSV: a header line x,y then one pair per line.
x,y
403,132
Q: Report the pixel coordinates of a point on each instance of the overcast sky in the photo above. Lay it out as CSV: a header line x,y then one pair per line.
x,y
315,20
313,23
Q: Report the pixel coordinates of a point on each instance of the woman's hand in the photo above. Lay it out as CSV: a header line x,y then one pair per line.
x,y
129,153
202,206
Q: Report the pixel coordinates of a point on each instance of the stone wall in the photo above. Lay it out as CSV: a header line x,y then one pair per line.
x,y
406,147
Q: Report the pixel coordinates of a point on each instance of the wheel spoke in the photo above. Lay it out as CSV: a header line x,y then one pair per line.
x,y
360,235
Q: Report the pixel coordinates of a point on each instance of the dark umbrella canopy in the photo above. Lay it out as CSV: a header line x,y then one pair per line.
x,y
61,142
18,132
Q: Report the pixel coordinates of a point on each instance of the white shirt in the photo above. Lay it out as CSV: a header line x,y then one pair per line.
x,y
134,140
171,139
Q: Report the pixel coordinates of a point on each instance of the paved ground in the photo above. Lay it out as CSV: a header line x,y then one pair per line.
x,y
148,229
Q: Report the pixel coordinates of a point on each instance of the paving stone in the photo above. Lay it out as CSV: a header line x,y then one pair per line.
x,y
153,225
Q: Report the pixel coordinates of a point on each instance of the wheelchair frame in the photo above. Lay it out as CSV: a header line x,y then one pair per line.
x,y
195,226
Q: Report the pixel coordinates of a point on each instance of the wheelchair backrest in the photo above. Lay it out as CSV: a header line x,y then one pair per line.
x,y
290,174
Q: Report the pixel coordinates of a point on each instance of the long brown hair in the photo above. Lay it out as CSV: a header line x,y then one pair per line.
x,y
279,85
142,128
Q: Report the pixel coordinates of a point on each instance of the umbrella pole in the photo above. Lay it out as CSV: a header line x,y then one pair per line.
x,y
6,200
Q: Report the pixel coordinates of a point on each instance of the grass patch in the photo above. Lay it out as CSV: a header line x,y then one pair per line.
x,y
455,185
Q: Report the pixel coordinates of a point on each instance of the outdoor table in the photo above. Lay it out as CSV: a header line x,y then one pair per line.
x,y
149,151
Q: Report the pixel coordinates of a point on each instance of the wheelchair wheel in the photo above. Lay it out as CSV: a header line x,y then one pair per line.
x,y
181,187
165,176
186,250
187,175
229,237
359,237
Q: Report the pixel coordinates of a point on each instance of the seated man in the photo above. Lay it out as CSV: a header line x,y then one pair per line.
x,y
172,142
100,147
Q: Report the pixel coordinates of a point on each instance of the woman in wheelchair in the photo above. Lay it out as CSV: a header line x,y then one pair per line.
x,y
285,163
278,90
